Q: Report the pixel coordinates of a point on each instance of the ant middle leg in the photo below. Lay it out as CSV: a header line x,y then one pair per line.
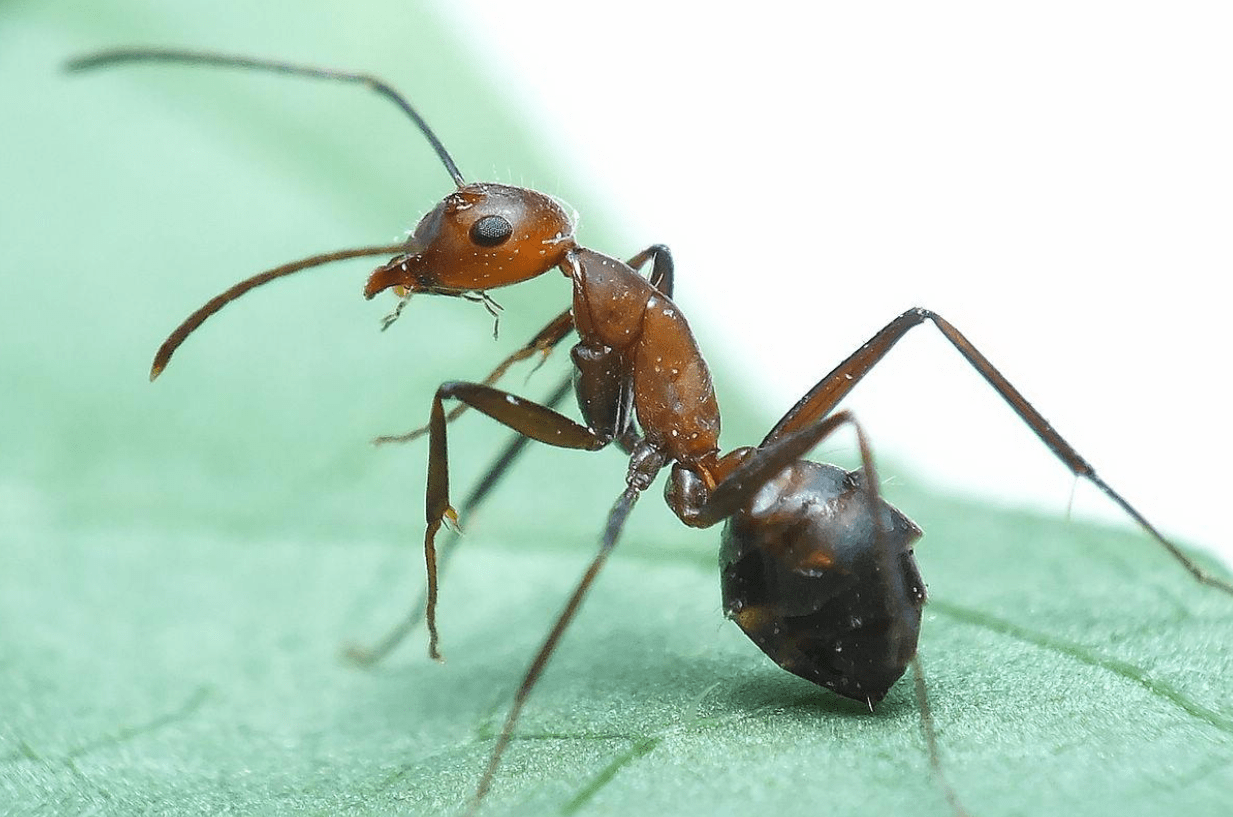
x,y
831,389
644,464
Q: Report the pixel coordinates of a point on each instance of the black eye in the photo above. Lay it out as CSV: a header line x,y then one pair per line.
x,y
490,231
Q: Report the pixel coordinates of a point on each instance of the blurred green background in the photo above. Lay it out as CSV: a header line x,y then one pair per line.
x,y
181,563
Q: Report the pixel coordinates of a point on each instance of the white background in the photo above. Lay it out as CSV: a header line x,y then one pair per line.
x,y
1054,178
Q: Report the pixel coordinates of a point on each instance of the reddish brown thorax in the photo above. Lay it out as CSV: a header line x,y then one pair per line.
x,y
481,236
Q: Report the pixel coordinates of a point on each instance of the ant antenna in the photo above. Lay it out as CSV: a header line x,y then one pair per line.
x,y
122,55
190,324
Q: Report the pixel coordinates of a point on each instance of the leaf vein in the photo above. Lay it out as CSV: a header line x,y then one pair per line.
x,y
1087,656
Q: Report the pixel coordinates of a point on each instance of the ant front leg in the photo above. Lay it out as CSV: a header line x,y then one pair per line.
x,y
662,277
368,656
824,396
604,394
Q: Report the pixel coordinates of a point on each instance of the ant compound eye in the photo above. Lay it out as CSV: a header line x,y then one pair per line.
x,y
490,231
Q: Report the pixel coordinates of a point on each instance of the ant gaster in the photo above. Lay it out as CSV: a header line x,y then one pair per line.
x,y
817,568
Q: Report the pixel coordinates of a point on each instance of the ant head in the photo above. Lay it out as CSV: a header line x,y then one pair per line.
x,y
481,236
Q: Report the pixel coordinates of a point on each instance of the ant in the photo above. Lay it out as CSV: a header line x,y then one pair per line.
x,y
817,568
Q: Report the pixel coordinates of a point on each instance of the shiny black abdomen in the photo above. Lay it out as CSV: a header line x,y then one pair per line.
x,y
809,579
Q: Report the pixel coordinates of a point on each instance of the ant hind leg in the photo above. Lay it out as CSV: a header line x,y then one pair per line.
x,y
831,389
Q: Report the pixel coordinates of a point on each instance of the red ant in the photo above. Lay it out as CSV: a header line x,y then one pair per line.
x,y
817,568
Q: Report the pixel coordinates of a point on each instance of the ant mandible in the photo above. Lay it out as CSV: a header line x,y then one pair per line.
x,y
817,569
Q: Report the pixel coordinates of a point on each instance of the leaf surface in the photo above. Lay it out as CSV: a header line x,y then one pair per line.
x,y
180,564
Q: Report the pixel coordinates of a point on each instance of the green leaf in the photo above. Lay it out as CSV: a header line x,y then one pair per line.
x,y
180,564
